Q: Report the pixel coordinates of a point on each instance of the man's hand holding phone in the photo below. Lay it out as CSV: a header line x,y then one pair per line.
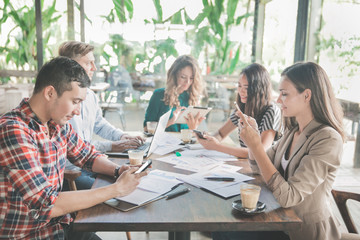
x,y
144,166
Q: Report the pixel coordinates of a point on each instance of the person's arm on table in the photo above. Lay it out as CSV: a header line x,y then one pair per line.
x,y
213,142
83,154
124,144
72,201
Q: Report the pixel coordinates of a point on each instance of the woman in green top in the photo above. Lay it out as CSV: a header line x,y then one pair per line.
x,y
184,87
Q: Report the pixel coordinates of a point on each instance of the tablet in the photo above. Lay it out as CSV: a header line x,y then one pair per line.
x,y
125,206
193,110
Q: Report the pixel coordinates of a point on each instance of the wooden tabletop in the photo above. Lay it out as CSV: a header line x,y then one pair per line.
x,y
197,210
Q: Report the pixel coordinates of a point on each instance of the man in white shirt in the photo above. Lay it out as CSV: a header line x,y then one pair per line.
x,y
90,120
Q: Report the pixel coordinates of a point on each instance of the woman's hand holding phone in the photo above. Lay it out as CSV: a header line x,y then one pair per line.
x,y
248,133
250,120
199,134
207,141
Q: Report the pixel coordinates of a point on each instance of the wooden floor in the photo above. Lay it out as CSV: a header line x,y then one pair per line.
x,y
348,178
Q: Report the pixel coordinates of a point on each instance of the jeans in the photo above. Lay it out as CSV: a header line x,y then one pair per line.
x,y
85,181
267,235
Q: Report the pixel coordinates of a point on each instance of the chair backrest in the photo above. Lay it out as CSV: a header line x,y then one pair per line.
x,y
341,198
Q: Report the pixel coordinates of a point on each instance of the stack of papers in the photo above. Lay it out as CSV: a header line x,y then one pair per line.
x,y
224,189
167,143
155,184
197,160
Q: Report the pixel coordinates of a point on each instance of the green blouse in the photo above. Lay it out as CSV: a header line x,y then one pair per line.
x,y
157,108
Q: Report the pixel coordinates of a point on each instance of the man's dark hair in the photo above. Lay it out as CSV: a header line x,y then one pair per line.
x,y
59,73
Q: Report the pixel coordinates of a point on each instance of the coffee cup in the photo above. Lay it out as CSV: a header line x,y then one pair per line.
x,y
249,196
151,126
186,135
136,157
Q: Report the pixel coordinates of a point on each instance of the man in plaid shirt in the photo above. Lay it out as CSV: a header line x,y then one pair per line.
x,y
35,141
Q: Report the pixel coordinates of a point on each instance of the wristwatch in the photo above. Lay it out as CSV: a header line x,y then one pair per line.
x,y
116,172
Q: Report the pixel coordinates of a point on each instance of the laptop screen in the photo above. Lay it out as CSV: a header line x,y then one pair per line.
x,y
160,129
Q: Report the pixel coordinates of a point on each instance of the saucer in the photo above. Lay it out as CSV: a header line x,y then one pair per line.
x,y
148,134
192,141
259,208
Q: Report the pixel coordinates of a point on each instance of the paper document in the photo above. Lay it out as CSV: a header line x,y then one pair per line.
x,y
167,143
215,155
151,186
190,163
224,189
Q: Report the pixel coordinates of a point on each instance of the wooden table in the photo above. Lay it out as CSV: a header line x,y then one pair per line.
x,y
194,211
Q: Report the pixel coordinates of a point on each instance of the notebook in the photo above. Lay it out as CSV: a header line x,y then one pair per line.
x,y
149,148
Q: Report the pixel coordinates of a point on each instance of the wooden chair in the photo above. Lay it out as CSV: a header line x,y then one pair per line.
x,y
341,198
70,176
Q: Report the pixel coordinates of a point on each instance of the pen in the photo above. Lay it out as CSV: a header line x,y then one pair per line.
x,y
229,179
177,193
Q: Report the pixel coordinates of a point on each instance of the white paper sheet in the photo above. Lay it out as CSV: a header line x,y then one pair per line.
x,y
215,155
151,186
228,191
222,188
167,143
139,196
165,149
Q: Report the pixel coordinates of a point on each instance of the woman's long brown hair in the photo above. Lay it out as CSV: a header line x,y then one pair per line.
x,y
171,96
324,106
258,92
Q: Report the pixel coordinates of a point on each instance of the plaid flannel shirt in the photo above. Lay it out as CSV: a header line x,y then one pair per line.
x,y
32,163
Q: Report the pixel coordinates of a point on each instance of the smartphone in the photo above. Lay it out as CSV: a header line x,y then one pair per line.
x,y
199,134
144,166
237,106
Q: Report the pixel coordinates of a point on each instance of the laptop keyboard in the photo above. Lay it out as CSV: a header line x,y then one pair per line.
x,y
144,146
141,147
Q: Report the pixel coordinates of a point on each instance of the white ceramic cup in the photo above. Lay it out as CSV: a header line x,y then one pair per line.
x,y
151,126
186,135
136,157
249,196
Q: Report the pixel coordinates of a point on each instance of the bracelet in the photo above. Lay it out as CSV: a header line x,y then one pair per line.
x,y
116,172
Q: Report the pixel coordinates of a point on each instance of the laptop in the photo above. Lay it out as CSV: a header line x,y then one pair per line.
x,y
148,147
